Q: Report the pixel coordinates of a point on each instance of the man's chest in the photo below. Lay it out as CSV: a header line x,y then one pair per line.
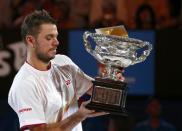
x,y
57,92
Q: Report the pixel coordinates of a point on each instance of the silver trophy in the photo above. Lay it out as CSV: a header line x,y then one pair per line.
x,y
113,48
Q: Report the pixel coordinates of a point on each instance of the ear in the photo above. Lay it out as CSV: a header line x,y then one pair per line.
x,y
30,40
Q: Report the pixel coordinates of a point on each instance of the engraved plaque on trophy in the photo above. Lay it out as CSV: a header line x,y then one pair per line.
x,y
113,48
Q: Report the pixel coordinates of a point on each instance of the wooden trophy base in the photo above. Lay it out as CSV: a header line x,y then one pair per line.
x,y
109,96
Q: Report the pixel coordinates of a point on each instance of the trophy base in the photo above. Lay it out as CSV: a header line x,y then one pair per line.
x,y
104,108
108,96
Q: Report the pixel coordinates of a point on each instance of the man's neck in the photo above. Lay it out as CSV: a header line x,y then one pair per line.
x,y
38,64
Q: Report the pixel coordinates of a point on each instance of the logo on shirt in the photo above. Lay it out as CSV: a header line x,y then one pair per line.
x,y
25,110
68,82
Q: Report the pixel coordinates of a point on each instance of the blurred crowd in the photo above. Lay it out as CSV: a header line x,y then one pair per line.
x,y
76,14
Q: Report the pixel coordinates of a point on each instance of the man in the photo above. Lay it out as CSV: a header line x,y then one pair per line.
x,y
155,122
44,92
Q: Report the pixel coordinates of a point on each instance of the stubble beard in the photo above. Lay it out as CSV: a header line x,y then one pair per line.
x,y
44,58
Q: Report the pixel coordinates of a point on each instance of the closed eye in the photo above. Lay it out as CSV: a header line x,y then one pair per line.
x,y
50,37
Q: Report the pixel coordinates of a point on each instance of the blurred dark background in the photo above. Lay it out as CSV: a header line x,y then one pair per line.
x,y
156,21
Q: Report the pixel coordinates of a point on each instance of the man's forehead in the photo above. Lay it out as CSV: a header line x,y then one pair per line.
x,y
48,29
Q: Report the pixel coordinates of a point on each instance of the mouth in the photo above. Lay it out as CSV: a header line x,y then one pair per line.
x,y
54,50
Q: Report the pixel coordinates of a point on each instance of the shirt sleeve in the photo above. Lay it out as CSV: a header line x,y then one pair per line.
x,y
26,102
82,81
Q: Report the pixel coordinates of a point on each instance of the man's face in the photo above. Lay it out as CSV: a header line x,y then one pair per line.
x,y
154,108
46,42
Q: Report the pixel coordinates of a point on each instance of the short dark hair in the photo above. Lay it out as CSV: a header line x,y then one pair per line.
x,y
32,22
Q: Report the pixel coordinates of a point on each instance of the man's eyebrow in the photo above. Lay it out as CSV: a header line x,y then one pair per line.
x,y
52,35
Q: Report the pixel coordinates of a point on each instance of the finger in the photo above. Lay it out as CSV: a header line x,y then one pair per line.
x,y
84,105
95,114
85,102
120,76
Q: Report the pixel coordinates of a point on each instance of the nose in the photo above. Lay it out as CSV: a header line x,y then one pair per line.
x,y
56,42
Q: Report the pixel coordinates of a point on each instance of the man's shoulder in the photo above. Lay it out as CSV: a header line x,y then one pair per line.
x,y
63,60
21,72
167,125
23,76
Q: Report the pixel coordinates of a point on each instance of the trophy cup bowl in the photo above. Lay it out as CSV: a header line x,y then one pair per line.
x,y
113,48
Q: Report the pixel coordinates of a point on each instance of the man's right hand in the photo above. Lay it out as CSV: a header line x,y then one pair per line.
x,y
86,113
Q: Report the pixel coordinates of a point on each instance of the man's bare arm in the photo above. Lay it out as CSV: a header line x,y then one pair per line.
x,y
64,125
70,122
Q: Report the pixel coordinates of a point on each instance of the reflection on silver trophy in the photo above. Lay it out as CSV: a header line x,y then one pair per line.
x,y
113,48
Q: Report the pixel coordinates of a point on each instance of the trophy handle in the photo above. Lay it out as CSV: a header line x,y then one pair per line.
x,y
145,53
87,43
